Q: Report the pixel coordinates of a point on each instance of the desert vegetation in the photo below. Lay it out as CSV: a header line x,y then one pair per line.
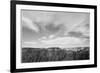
x,y
54,54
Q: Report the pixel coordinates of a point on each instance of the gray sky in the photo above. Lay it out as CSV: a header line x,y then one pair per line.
x,y
54,28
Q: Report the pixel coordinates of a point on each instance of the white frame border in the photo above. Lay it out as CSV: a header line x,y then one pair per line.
x,y
20,65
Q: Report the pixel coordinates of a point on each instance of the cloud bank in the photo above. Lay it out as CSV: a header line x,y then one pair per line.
x,y
74,28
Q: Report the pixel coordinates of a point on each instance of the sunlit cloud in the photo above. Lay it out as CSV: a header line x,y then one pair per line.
x,y
58,42
63,40
29,24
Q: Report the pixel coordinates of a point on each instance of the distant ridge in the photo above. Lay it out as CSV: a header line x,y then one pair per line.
x,y
56,45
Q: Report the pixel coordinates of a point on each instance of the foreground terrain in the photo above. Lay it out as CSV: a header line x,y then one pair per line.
x,y
54,54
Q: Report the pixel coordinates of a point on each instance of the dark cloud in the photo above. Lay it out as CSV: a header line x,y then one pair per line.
x,y
75,34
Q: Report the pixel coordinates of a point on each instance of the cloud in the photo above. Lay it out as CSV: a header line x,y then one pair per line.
x,y
67,22
63,40
26,22
43,38
30,42
76,21
75,34
80,29
47,37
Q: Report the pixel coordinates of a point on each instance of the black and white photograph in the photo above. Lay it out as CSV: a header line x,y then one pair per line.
x,y
54,36
51,36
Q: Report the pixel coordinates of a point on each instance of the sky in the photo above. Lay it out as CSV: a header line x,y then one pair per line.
x,y
54,28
